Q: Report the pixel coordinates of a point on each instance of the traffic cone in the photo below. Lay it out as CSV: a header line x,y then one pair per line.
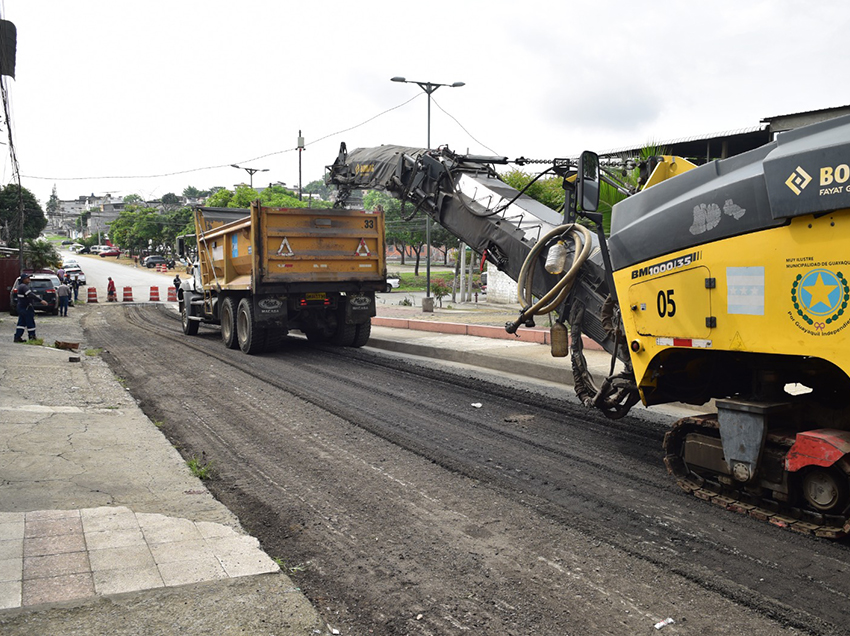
x,y
172,294
92,297
128,294
154,294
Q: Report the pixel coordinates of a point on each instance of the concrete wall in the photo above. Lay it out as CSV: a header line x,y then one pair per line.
x,y
501,288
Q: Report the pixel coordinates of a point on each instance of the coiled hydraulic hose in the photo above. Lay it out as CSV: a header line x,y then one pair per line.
x,y
582,240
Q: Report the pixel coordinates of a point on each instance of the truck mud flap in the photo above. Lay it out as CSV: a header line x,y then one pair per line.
x,y
271,309
359,308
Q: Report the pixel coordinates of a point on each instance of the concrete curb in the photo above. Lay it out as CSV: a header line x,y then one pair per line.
x,y
536,335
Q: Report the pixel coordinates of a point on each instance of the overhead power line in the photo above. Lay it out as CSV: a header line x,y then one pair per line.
x,y
225,165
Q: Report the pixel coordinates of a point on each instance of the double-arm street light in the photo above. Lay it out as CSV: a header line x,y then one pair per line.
x,y
250,171
428,87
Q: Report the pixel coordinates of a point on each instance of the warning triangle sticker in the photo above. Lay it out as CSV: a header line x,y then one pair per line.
x,y
363,249
285,249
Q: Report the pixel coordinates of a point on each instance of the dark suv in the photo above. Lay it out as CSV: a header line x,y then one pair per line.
x,y
44,286
154,260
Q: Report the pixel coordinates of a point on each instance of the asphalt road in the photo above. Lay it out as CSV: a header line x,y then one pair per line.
x,y
98,270
408,498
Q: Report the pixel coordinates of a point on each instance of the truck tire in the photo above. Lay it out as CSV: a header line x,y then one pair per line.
x,y
364,330
190,327
228,323
344,335
252,337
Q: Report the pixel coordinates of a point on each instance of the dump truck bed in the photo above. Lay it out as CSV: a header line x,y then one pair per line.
x,y
293,249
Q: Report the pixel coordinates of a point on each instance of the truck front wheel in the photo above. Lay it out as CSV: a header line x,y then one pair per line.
x,y
252,337
190,327
228,323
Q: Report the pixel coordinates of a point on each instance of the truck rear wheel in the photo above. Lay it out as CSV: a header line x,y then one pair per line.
x,y
190,327
228,323
364,330
344,335
252,337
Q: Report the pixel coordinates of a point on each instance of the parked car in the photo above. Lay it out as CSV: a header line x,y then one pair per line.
x,y
154,260
392,283
113,251
44,285
70,262
67,242
74,271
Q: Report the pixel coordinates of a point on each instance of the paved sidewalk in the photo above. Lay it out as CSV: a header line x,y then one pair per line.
x,y
103,528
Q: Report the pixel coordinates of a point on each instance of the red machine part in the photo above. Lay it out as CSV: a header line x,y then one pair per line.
x,y
822,447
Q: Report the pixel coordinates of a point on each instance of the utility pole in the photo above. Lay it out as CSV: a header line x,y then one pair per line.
x,y
300,150
428,87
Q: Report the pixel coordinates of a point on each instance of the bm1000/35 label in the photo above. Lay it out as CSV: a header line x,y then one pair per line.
x,y
666,266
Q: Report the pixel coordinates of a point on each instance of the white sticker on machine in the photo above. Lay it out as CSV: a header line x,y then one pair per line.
x,y
745,290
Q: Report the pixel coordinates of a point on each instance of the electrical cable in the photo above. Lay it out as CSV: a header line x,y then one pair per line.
x,y
224,165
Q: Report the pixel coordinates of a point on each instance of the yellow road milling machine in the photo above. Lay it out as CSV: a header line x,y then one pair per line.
x,y
724,282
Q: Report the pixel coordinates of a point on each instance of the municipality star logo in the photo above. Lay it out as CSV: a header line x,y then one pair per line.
x,y
820,292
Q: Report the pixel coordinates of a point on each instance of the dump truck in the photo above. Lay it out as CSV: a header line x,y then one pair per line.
x,y
726,283
262,272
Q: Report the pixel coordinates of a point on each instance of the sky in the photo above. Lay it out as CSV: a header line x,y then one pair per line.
x,y
130,97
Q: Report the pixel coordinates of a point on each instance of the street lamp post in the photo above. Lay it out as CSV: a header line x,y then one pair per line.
x,y
250,171
428,87
300,150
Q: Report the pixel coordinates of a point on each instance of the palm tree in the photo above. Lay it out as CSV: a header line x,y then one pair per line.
x,y
40,254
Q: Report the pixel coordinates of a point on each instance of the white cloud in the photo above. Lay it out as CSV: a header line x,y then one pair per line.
x,y
116,88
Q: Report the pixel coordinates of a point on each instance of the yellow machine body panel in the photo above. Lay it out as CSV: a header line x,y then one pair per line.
x,y
779,291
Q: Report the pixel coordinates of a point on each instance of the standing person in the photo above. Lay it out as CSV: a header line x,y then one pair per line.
x,y
110,290
75,285
63,293
61,273
26,313
177,282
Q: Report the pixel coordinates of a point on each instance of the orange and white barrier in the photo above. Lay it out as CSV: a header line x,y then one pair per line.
x,y
128,295
92,297
154,294
172,294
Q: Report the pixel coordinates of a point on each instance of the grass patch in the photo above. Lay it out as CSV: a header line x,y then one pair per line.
x,y
291,569
200,469
93,352
37,342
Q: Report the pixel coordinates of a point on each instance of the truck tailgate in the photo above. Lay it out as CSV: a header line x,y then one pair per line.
x,y
312,245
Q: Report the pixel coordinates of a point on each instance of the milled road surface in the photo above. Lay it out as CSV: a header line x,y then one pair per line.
x,y
401,508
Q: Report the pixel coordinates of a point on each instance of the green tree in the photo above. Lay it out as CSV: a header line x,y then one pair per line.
x,y
40,254
548,191
242,197
442,241
176,223
318,188
11,199
277,196
170,201
220,198
191,192
134,199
